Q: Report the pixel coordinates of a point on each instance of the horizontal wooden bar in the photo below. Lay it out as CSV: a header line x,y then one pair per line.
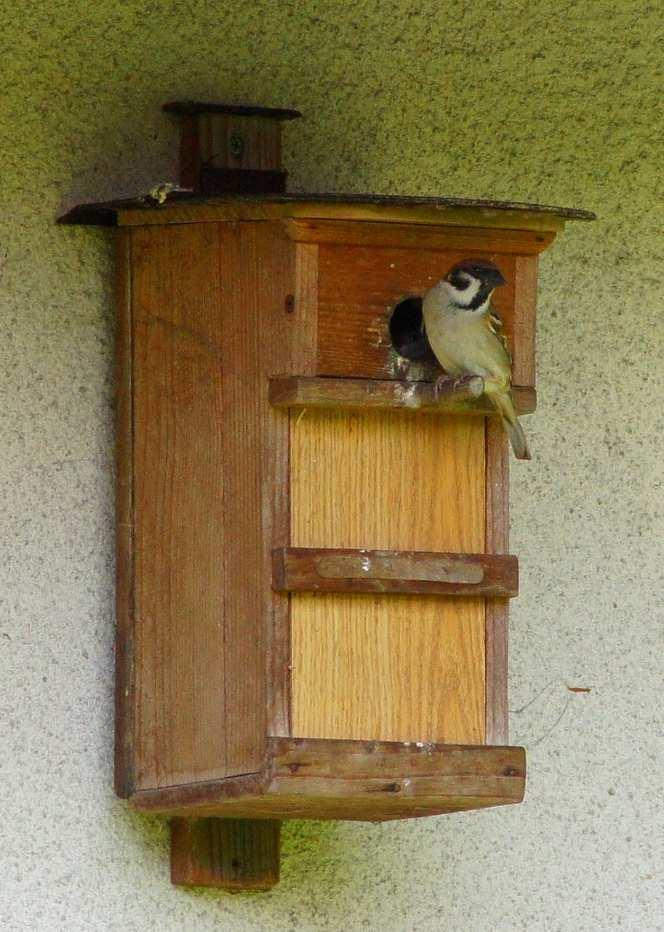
x,y
309,569
420,236
375,394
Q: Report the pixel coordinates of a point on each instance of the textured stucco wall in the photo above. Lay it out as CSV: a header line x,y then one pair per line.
x,y
550,101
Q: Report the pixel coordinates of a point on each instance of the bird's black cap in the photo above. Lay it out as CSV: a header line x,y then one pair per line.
x,y
483,269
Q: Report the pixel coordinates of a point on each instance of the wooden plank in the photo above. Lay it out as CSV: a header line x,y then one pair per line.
x,y
525,319
301,338
228,854
497,610
309,569
184,683
322,779
359,287
409,236
246,210
394,667
385,395
124,520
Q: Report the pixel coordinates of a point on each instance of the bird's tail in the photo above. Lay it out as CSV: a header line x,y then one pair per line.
x,y
503,403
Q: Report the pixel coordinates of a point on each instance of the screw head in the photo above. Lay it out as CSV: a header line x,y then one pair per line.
x,y
236,146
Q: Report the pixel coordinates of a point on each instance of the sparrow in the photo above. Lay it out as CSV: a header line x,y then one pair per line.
x,y
466,337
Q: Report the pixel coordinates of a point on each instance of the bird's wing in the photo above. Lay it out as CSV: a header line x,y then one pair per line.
x,y
495,325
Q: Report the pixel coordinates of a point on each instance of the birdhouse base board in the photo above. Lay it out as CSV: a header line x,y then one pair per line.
x,y
373,781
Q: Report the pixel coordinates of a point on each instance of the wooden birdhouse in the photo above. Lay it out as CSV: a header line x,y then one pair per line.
x,y
313,561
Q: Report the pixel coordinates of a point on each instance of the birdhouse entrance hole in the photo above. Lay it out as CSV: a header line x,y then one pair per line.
x,y
407,332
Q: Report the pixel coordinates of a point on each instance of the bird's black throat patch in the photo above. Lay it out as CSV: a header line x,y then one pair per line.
x,y
480,298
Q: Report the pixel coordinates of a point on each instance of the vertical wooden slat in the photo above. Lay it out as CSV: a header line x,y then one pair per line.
x,y
388,667
299,335
124,641
497,610
525,319
199,715
229,854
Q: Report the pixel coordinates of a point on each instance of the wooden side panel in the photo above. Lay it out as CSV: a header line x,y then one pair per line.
x,y
497,610
184,689
388,667
213,322
124,536
359,287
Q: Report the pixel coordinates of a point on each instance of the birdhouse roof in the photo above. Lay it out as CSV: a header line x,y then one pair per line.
x,y
445,211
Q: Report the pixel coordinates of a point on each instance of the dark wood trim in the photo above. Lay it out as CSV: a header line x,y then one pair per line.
x,y
381,395
497,610
124,530
305,569
194,107
185,797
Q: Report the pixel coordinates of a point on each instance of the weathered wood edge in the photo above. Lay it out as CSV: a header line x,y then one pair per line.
x,y
492,240
329,392
187,208
308,569
124,532
496,610
315,769
227,854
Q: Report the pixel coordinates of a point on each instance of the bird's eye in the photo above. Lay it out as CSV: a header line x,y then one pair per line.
x,y
460,282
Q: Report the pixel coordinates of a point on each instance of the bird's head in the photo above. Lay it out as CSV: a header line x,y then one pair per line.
x,y
470,284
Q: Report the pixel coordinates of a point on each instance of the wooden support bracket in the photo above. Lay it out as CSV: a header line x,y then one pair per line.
x,y
231,854
310,569
465,398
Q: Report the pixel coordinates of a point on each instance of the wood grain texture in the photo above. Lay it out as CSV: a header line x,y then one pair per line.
x,y
410,236
497,610
387,667
228,854
359,287
218,209
386,395
303,569
362,780
211,465
525,319
301,336
124,520
183,680
262,337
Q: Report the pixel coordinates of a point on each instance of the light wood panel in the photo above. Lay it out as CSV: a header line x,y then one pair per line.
x,y
387,667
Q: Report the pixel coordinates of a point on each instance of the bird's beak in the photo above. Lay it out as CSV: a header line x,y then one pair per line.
x,y
494,277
